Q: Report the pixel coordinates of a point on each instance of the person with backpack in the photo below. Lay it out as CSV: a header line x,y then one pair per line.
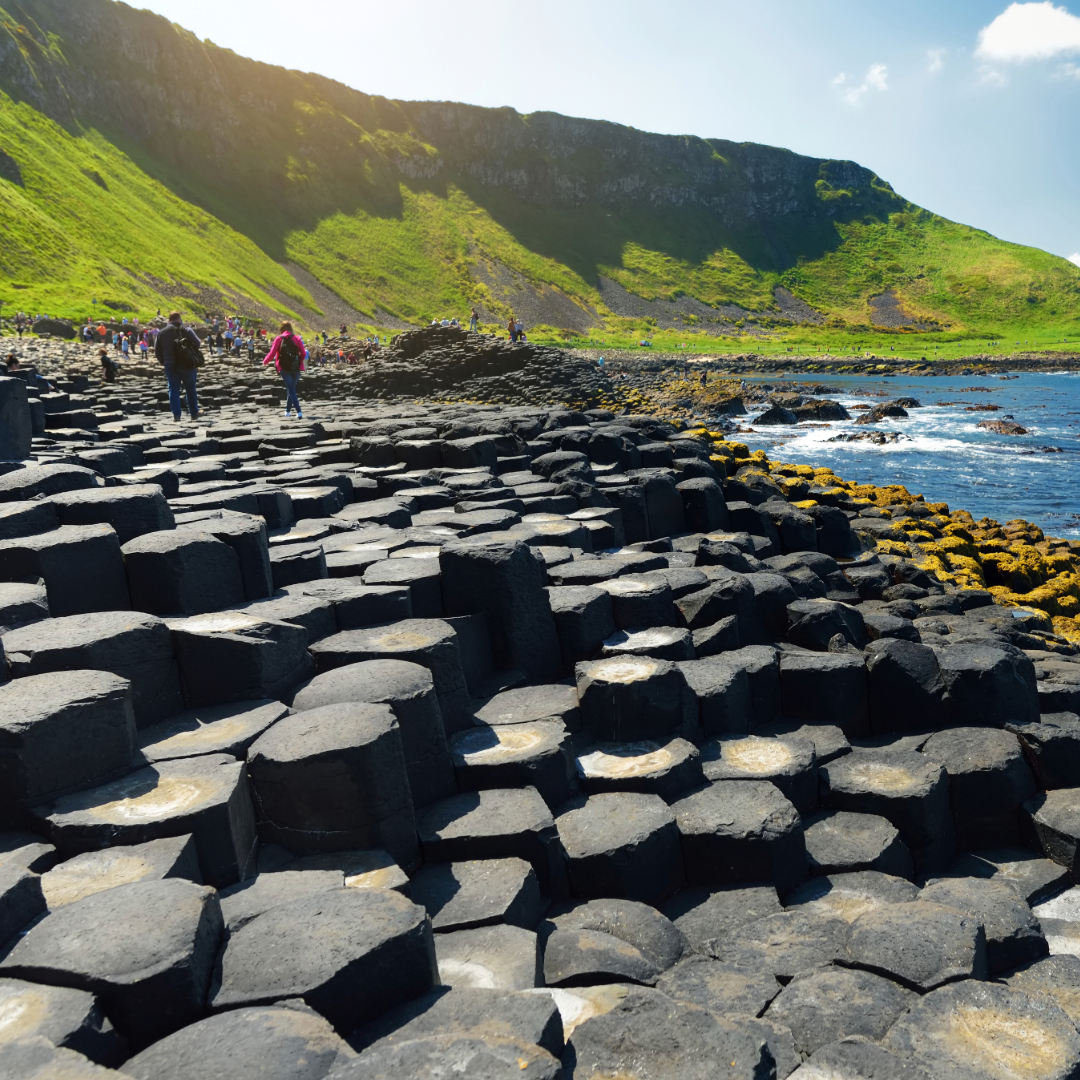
x,y
108,366
287,353
177,348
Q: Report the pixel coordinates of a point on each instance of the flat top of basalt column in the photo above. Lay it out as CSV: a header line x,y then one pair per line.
x,y
983,1031
167,789
1034,878
850,895
263,1041
370,868
883,772
495,812
752,755
96,871
623,669
529,703
290,949
124,934
210,730
625,761
325,729
648,1037
610,821
505,743
921,945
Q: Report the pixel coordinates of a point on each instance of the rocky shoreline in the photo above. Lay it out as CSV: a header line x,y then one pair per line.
x,y
479,723
761,364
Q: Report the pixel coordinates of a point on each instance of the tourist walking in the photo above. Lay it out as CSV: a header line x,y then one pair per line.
x,y
108,366
511,325
474,320
177,348
287,354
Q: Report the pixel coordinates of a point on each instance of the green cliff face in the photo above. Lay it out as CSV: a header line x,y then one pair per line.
x,y
144,167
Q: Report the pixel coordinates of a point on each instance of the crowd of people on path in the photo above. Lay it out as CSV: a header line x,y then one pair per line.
x,y
178,348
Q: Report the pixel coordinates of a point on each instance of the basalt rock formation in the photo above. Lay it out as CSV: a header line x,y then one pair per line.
x,y
509,738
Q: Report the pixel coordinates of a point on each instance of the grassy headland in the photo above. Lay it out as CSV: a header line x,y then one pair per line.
x,y
142,185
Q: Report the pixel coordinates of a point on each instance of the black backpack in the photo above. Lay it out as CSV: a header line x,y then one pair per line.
x,y
289,355
186,354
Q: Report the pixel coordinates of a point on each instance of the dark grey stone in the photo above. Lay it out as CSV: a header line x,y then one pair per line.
x,y
721,988
431,643
480,892
1012,933
786,761
96,871
839,842
822,1007
740,830
206,796
706,917
583,619
988,782
956,1033
538,754
532,1018
920,945
351,954
235,656
265,1042
131,645
785,944
666,769
608,941
145,949
508,822
504,580
722,688
826,688
81,566
131,510
60,732
410,691
622,844
648,1037
63,1016
906,788
907,691
333,778
625,699
182,572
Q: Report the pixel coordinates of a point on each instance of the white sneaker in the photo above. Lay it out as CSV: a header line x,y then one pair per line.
x,y
299,415
288,413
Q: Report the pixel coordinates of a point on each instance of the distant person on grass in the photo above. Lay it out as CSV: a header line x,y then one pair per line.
x,y
177,348
287,353
511,325
474,320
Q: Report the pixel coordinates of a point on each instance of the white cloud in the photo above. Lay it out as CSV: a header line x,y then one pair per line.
x,y
838,81
1031,31
1069,71
935,60
875,79
992,77
1075,258
877,76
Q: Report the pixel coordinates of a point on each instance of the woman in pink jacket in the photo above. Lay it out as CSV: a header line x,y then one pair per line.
x,y
288,354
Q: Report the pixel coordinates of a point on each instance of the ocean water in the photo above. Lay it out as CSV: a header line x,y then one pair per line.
x,y
942,454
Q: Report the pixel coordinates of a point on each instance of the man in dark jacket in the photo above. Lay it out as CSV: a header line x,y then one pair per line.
x,y
178,375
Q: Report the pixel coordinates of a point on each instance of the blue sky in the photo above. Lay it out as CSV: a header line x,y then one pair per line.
x,y
969,108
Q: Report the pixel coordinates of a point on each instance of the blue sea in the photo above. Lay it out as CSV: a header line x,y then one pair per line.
x,y
942,454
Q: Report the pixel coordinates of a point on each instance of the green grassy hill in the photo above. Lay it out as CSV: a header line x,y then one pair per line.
x,y
180,173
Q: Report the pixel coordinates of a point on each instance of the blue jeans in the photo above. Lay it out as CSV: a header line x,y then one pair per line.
x,y
290,379
187,380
